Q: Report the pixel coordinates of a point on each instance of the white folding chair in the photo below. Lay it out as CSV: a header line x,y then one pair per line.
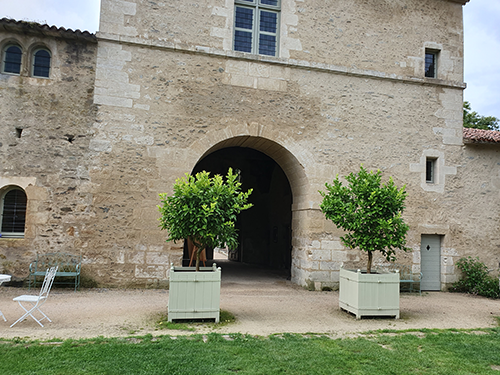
x,y
4,279
39,300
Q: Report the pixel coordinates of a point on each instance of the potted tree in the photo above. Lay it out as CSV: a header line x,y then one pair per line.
x,y
203,210
370,213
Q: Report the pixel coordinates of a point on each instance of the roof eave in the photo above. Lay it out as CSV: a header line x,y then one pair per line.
x,y
12,25
463,2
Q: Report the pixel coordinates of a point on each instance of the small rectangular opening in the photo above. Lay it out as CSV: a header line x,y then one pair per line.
x,y
431,63
430,170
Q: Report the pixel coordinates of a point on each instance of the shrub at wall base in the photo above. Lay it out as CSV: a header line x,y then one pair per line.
x,y
369,294
194,295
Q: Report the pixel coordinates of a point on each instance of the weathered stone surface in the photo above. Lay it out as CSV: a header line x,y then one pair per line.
x,y
158,93
49,156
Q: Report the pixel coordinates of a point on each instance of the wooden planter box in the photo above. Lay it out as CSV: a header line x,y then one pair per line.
x,y
194,295
375,294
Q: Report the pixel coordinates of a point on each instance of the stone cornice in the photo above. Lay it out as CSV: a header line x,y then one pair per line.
x,y
298,64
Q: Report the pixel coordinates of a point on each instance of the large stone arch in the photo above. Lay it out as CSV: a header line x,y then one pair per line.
x,y
298,165
294,160
316,250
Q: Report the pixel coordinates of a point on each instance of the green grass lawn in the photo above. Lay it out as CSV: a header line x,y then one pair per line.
x,y
419,352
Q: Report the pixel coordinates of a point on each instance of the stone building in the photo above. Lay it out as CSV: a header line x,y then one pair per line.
x,y
47,117
290,92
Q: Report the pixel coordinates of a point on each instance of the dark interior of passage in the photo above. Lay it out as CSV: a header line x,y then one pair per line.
x,y
264,229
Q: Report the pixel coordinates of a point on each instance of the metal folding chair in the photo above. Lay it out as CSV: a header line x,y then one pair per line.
x,y
39,300
4,279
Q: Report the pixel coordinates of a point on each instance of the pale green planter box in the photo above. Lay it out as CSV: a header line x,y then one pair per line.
x,y
194,295
363,294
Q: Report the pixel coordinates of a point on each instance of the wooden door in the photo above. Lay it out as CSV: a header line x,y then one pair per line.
x,y
430,262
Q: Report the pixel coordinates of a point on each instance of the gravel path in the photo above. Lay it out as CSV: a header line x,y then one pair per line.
x,y
263,303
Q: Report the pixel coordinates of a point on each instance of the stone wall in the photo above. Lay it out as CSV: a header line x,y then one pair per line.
x,y
347,89
382,36
46,128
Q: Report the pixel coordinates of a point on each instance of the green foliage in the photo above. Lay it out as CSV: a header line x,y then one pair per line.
x,y
204,209
225,318
475,279
163,323
473,120
369,212
445,352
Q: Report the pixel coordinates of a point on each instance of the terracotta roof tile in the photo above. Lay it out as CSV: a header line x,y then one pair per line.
x,y
481,136
44,28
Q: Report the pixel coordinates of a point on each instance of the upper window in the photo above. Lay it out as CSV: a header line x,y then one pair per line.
x,y
13,213
256,26
431,63
11,59
41,63
430,170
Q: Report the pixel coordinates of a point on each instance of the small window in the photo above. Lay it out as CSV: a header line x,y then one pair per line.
x,y
41,63
13,213
256,26
430,170
11,59
431,63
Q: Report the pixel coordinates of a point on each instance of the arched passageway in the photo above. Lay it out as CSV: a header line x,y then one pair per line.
x,y
265,230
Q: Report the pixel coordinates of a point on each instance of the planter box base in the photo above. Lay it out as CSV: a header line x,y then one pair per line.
x,y
367,312
365,294
194,295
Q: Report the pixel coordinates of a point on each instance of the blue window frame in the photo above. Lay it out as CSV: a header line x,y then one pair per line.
x,y
11,59
13,205
256,26
41,63
431,57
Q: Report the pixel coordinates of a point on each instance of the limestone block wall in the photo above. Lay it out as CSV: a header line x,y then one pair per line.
x,y
199,26
477,187
44,141
385,37
160,93
347,89
322,122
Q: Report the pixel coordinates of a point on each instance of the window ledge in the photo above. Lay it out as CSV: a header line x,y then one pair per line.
x,y
11,237
11,74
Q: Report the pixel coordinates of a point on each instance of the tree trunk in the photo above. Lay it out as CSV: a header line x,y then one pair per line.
x,y
195,248
369,265
198,252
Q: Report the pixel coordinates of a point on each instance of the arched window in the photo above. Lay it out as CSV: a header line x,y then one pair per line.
x,y
11,59
41,63
13,206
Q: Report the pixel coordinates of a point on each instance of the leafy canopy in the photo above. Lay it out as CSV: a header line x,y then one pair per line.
x,y
473,120
369,212
204,209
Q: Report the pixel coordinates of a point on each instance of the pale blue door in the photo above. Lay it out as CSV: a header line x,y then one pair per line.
x,y
430,262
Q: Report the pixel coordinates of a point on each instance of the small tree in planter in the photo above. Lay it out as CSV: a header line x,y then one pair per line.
x,y
203,209
371,214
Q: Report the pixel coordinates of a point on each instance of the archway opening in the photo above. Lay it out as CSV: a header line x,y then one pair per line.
x,y
265,230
